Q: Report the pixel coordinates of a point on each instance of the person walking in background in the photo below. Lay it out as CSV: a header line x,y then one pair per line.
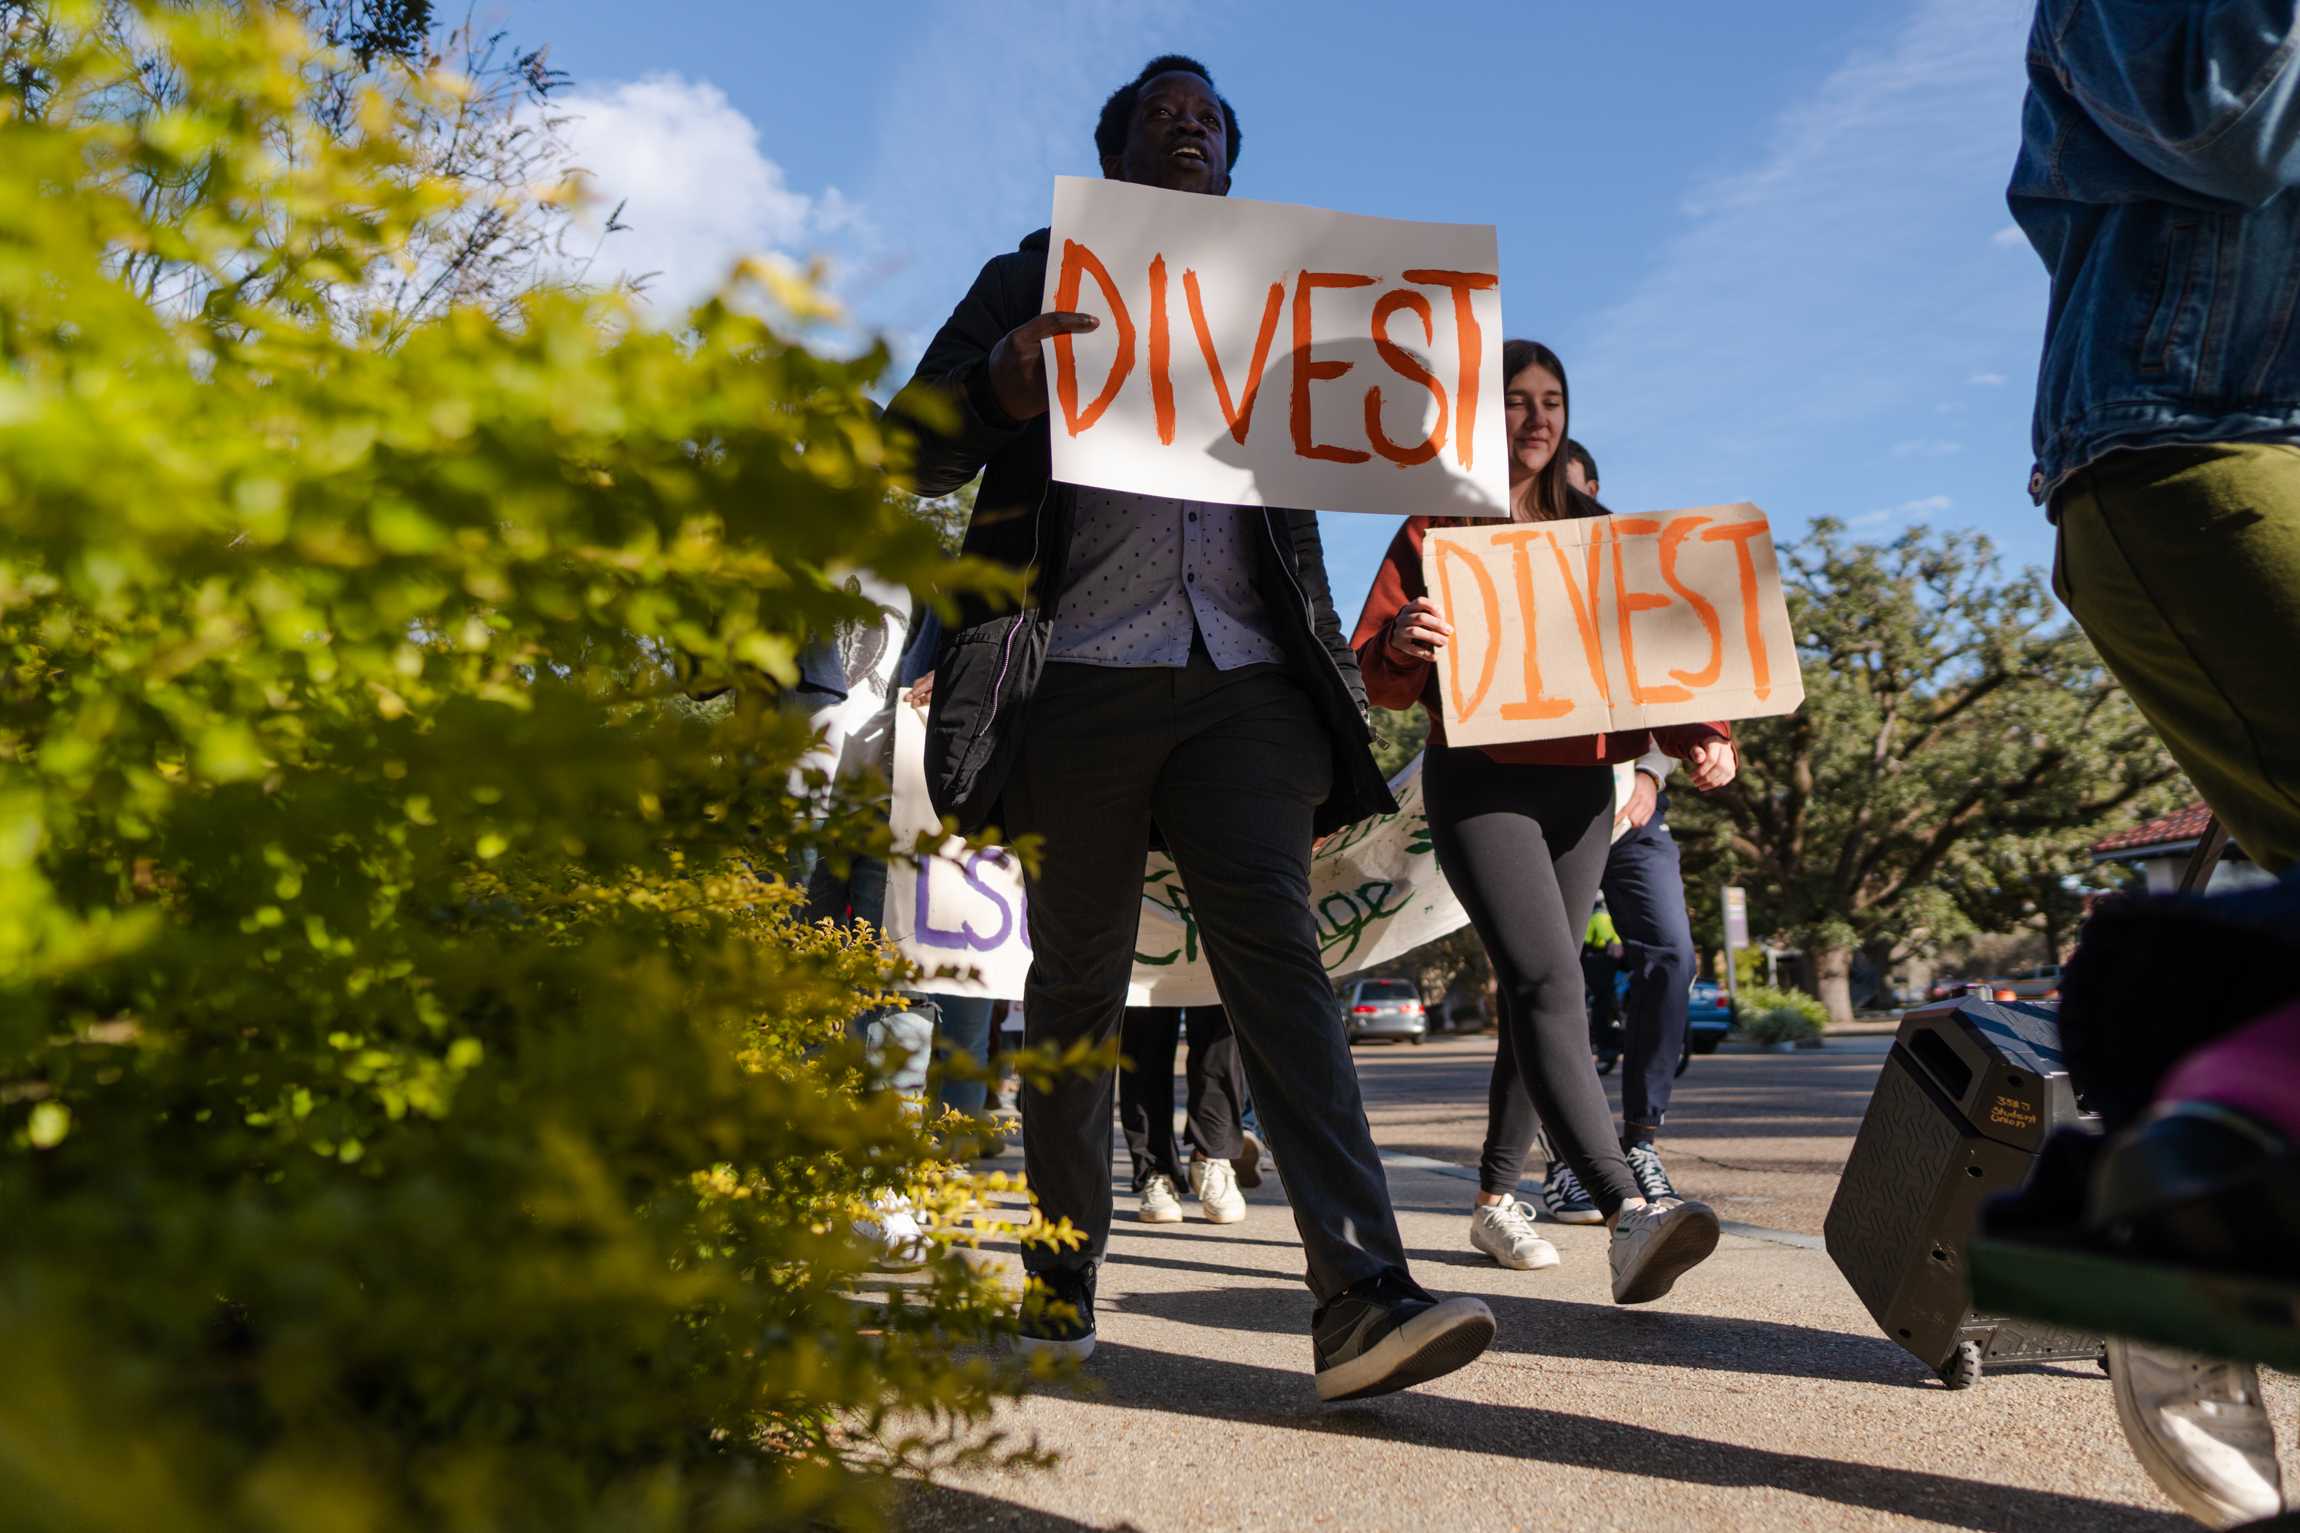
x,y
1216,1107
1644,889
1176,667
1521,832
2160,145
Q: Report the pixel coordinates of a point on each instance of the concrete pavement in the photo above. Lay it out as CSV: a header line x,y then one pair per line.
x,y
1758,1396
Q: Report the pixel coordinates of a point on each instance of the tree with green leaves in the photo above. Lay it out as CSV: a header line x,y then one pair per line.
x,y
420,1105
1959,748
468,107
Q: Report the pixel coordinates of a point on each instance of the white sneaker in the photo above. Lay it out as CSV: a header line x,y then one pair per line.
x,y
1504,1231
892,1229
1654,1245
2198,1427
1216,1184
1159,1205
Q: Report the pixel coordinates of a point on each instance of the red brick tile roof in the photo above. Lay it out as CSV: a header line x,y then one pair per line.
x,y
2172,830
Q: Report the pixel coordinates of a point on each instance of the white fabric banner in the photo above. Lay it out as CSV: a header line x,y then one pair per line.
x,y
1375,889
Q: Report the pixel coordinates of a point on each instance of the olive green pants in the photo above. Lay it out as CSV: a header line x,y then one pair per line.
x,y
2183,565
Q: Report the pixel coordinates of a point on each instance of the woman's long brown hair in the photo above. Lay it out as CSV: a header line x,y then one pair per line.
x,y
1549,486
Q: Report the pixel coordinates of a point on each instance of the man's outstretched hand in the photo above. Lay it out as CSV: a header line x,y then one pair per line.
x,y
1018,365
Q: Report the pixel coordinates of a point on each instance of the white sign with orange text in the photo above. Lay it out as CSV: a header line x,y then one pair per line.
x,y
1260,354
1606,623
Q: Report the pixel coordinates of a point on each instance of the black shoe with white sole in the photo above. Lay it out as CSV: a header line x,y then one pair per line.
x,y
1564,1199
1058,1314
1389,1333
1646,1170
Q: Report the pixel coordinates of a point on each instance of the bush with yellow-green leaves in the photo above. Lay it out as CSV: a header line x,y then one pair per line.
x,y
419,1106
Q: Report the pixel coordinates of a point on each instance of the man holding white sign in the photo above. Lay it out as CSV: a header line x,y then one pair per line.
x,y
1176,668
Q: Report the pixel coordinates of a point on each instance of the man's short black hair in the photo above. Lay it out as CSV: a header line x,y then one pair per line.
x,y
1577,453
1118,111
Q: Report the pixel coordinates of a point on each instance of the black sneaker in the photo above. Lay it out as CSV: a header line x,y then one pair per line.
x,y
1565,1199
1645,1166
1389,1333
1058,1314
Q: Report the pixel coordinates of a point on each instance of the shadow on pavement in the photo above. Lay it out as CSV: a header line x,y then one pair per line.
x,y
1598,1333
947,1509
1132,1378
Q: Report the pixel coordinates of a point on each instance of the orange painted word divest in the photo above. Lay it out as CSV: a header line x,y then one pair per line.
x,y
1378,338
1610,623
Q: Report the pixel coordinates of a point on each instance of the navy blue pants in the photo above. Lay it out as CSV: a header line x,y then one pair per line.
x,y
1645,893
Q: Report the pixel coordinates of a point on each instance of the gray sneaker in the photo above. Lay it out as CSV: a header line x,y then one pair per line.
x,y
1504,1231
1655,1244
1160,1204
2198,1427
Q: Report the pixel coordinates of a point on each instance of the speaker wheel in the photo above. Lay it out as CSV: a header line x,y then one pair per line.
x,y
1964,1369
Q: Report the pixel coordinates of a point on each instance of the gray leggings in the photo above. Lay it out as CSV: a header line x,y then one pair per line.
x,y
1524,848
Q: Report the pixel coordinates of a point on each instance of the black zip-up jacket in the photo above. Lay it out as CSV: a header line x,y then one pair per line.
x,y
991,658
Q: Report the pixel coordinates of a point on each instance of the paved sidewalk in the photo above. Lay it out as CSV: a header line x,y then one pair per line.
x,y
1758,1396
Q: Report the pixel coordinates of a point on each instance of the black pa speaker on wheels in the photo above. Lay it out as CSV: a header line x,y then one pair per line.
x,y
1969,1092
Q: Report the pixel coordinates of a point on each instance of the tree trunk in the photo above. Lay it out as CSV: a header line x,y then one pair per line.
x,y
1833,980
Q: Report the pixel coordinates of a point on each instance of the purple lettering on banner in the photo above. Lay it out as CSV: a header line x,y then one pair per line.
x,y
963,936
974,864
930,934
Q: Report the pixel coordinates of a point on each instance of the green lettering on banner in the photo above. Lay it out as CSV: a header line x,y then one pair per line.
x,y
1360,909
1164,890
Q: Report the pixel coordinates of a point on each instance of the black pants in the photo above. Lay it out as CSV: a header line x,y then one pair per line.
x,y
1214,1080
1645,892
1524,848
1230,766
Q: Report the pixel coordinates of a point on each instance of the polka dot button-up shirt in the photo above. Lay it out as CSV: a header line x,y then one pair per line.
x,y
1147,573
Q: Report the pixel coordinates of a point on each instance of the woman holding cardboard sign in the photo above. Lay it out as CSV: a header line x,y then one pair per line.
x,y
1522,832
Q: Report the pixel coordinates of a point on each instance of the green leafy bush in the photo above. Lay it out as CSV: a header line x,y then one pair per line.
x,y
1771,1015
419,1107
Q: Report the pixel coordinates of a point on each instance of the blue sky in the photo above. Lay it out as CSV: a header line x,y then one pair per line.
x,y
1769,240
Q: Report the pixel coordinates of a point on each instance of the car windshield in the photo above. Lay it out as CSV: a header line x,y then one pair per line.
x,y
1387,990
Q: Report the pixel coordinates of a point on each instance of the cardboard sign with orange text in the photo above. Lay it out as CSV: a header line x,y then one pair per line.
x,y
1608,623
1257,354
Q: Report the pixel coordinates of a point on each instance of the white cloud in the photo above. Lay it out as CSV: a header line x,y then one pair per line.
x,y
2009,237
1987,380
1927,447
1929,505
695,188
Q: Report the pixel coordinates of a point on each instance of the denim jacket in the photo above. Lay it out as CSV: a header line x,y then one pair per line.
x,y
2157,145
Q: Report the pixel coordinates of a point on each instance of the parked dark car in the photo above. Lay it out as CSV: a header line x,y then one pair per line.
x,y
1383,1008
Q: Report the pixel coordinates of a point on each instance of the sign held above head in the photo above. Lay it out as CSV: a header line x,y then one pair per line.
x,y
1255,353
1608,623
